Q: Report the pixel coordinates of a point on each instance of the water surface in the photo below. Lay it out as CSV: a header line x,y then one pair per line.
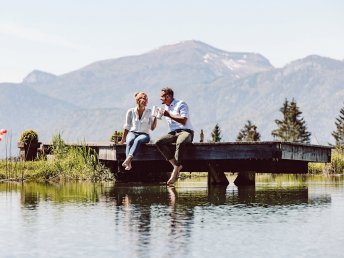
x,y
283,216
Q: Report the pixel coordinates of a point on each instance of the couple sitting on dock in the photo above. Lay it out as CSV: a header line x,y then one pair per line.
x,y
140,120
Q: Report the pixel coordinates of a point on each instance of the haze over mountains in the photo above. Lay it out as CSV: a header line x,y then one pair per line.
x,y
220,87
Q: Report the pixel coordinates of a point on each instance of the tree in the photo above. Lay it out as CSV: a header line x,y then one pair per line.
x,y
248,133
201,136
293,127
216,134
116,136
338,134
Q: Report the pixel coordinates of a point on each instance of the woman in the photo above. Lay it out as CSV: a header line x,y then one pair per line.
x,y
136,128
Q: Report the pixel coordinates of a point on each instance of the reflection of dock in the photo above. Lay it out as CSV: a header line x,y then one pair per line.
x,y
247,158
217,195
146,195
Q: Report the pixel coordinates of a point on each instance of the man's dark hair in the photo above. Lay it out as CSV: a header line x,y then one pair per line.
x,y
168,91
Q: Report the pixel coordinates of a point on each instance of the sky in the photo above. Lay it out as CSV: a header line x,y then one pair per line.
x,y
65,35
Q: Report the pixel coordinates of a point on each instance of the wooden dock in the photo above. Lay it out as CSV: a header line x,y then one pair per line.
x,y
246,158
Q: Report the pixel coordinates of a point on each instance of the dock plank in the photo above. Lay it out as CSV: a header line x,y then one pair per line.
x,y
230,151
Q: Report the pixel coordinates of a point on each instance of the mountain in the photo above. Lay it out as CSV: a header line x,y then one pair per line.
x,y
182,66
37,76
316,83
220,87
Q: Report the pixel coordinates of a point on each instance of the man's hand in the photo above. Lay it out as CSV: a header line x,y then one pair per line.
x,y
166,113
177,118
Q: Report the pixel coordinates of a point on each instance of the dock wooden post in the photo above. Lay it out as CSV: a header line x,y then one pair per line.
x,y
246,178
216,176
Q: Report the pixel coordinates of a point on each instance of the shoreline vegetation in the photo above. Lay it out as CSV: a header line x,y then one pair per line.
x,y
65,164
336,166
81,164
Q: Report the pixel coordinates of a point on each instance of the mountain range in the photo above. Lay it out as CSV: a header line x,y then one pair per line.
x,y
221,87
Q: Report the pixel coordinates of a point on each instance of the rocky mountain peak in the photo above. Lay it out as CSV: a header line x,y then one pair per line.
x,y
191,59
201,56
37,76
187,45
316,62
206,51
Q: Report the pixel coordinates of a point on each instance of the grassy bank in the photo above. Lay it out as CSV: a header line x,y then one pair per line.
x,y
335,167
58,169
66,163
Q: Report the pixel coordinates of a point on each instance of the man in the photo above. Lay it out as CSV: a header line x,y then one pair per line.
x,y
178,119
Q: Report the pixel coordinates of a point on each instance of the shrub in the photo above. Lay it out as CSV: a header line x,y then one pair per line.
x,y
337,162
29,136
316,168
58,145
336,166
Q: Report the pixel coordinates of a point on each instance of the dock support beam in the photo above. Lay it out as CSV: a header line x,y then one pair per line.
x,y
245,179
216,176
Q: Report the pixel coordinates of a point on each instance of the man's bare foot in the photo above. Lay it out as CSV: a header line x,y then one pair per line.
x,y
174,175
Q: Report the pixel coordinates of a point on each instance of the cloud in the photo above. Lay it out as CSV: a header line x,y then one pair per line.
x,y
36,35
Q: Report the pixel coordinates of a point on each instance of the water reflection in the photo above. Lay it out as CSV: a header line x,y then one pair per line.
x,y
217,195
146,195
177,213
188,220
31,194
29,200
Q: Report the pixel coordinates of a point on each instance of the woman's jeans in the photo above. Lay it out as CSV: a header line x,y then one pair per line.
x,y
134,141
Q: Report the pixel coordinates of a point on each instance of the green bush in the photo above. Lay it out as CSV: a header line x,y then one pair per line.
x,y
316,168
336,166
337,162
116,136
29,136
58,145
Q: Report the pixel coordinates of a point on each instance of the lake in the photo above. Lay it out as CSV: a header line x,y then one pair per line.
x,y
283,216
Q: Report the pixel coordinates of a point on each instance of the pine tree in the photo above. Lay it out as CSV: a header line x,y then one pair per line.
x,y
248,133
339,133
293,127
201,136
216,134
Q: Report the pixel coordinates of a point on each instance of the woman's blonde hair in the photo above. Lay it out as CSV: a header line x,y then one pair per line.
x,y
137,94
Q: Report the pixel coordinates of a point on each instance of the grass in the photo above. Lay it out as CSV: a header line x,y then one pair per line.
x,y
67,163
336,166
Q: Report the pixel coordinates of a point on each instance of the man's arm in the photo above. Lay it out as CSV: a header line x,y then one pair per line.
x,y
182,116
178,118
